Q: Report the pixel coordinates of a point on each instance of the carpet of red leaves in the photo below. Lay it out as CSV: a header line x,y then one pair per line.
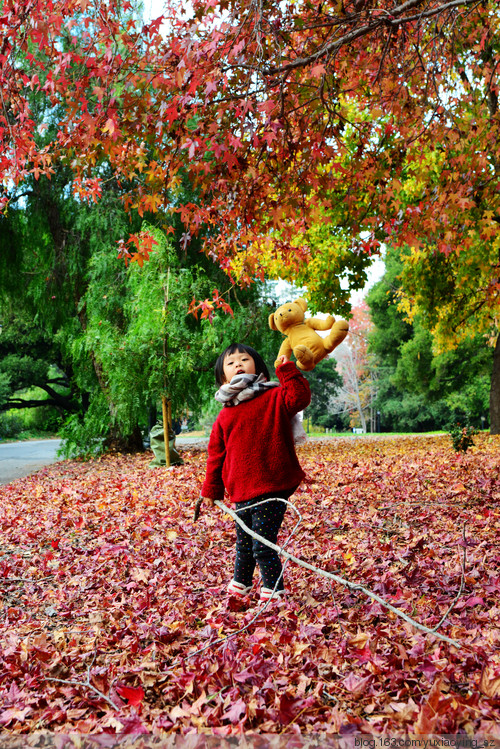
x,y
114,617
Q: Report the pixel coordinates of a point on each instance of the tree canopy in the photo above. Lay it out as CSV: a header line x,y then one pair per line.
x,y
274,111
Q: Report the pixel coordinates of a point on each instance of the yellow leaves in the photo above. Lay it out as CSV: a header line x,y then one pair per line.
x,y
407,306
489,215
359,640
151,203
109,127
451,290
349,558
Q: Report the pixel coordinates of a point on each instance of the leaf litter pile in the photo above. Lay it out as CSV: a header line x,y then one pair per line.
x,y
114,616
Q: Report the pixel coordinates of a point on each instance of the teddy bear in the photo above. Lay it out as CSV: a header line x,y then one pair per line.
x,y
301,338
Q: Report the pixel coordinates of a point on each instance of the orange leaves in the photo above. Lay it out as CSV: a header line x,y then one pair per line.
x,y
143,242
207,307
110,126
88,189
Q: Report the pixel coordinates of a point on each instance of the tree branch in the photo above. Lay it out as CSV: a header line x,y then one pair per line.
x,y
19,403
332,576
393,19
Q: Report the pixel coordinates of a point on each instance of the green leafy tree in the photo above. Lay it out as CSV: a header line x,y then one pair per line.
x,y
324,381
30,359
420,388
144,343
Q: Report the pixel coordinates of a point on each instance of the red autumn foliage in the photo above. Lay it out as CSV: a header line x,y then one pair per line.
x,y
114,616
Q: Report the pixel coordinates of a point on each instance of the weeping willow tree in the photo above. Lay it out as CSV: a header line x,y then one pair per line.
x,y
144,342
103,322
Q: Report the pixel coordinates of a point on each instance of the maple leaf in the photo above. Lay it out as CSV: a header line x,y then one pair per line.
x,y
109,126
490,679
133,695
235,712
14,714
318,70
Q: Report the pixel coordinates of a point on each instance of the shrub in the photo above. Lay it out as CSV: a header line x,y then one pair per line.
x,y
11,425
462,437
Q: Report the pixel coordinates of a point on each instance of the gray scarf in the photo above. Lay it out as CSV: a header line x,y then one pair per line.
x,y
244,387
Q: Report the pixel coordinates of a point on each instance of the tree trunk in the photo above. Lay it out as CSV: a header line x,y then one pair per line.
x,y
495,391
128,443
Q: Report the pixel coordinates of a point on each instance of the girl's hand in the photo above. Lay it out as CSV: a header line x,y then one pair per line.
x,y
282,360
197,506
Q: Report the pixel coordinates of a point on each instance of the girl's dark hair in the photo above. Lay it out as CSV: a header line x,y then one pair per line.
x,y
260,366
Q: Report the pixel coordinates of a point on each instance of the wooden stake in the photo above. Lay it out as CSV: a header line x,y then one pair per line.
x,y
165,406
165,403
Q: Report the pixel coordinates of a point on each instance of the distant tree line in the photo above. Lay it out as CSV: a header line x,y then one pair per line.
x,y
391,375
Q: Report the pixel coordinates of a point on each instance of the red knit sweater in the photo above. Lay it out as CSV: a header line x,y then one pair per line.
x,y
251,450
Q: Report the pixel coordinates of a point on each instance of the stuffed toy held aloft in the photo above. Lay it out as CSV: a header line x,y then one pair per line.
x,y
301,338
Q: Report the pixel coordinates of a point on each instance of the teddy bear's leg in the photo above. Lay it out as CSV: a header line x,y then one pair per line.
x,y
336,335
305,358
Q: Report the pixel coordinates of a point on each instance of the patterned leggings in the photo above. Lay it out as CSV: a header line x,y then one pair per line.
x,y
266,520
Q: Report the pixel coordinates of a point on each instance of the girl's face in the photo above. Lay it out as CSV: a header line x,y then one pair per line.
x,y
238,363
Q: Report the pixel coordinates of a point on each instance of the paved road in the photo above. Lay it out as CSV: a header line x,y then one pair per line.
x,y
18,459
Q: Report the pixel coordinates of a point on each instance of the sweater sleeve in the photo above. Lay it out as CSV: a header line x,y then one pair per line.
x,y
295,387
213,486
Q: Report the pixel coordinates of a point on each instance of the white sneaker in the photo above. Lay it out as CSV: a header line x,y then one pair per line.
x,y
237,589
267,593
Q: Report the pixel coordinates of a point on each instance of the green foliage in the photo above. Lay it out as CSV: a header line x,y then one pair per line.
x,y
29,358
462,437
11,425
418,388
5,388
406,412
391,330
31,381
324,381
105,325
29,423
86,434
142,339
333,269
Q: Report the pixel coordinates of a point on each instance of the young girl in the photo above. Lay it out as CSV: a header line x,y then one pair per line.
x,y
251,454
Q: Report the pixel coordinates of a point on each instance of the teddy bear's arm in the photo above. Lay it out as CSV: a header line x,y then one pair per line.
x,y
285,350
316,324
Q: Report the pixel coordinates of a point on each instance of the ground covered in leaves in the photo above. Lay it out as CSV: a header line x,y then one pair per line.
x,y
114,617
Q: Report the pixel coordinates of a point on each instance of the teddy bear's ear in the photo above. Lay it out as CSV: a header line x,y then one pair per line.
x,y
302,303
272,324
